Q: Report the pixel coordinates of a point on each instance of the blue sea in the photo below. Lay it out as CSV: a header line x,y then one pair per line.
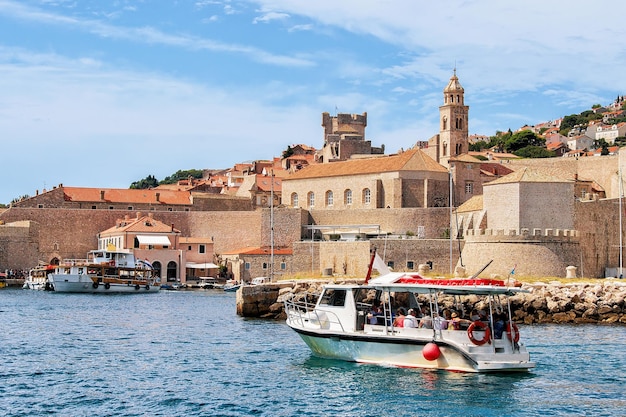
x,y
188,354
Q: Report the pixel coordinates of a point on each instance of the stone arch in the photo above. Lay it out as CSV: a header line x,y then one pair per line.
x,y
172,269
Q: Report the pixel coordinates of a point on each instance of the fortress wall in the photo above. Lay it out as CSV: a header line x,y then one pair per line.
x,y
395,221
19,245
536,252
70,233
598,225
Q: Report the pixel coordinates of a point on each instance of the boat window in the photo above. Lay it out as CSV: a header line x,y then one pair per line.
x,y
333,297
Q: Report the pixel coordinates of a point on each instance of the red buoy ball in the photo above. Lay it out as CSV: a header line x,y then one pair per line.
x,y
431,351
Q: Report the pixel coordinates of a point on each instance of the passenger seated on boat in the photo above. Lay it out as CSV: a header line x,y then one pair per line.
x,y
444,320
426,322
499,320
399,320
456,322
410,320
372,316
474,316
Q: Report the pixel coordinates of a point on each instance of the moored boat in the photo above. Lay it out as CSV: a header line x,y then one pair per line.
x,y
231,286
105,271
345,324
37,278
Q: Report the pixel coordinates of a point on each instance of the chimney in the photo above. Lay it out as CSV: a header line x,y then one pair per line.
x,y
172,227
158,196
101,195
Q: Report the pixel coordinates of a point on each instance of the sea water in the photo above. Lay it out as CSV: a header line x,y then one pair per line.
x,y
184,353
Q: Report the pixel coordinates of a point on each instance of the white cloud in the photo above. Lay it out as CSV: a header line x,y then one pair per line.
x,y
271,16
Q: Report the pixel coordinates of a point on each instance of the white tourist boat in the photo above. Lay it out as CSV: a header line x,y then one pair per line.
x,y
338,325
105,271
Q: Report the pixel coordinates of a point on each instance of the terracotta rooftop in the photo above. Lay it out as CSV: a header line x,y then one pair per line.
x,y
527,175
411,160
121,195
140,224
473,204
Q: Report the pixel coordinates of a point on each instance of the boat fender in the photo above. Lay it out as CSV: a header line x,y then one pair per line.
x,y
512,332
148,287
107,285
137,286
479,325
431,351
95,285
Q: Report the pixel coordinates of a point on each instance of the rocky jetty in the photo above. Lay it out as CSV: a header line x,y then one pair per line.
x,y
596,301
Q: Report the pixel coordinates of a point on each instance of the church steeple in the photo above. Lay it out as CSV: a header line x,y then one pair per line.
x,y
453,134
453,93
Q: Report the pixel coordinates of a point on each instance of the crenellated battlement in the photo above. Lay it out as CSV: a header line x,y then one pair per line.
x,y
523,234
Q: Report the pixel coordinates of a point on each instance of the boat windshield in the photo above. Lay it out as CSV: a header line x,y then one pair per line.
x,y
333,297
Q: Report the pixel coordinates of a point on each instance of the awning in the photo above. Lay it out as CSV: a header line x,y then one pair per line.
x,y
208,265
153,240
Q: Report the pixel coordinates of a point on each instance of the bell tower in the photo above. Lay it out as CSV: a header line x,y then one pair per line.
x,y
453,117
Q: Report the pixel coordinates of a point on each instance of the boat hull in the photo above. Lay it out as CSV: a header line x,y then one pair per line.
x,y
85,284
409,353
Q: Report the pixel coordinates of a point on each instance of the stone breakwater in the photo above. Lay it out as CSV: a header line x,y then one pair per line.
x,y
597,301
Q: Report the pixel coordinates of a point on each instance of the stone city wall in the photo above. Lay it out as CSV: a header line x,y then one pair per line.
x,y
536,252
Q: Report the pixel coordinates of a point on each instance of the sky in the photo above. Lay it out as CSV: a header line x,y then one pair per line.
x,y
104,93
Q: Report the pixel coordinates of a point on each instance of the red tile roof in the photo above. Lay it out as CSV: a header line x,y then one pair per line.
x,y
121,195
411,160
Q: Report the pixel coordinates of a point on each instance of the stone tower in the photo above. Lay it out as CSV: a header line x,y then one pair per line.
x,y
344,137
453,118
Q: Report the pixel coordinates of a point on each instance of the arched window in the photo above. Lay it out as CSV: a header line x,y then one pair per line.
x,y
156,266
171,271
311,198
444,123
347,197
367,196
329,198
294,200
445,149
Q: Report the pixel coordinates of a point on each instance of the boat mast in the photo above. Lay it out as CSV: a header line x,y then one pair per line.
x,y
272,226
621,195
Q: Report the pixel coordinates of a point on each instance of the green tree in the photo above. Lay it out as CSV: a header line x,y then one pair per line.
x,y
603,145
519,140
532,151
287,152
182,175
149,182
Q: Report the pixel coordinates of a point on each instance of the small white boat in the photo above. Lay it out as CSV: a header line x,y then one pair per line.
x,y
105,271
231,286
337,326
37,278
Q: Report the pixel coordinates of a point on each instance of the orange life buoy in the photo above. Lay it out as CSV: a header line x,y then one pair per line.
x,y
512,332
479,325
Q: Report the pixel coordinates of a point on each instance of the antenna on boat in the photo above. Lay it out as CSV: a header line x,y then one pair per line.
x,y
369,269
481,270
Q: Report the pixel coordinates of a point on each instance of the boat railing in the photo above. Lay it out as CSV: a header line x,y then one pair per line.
x,y
73,262
303,313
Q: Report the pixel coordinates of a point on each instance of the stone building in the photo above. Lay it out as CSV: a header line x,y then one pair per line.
x,y
526,221
245,264
407,179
